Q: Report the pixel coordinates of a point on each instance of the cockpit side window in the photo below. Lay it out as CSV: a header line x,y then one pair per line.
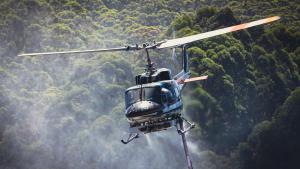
x,y
152,94
173,95
132,96
168,97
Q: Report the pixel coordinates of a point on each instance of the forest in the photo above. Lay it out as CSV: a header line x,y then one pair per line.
x,y
67,111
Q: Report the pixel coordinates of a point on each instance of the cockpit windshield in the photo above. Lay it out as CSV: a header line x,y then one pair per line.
x,y
148,93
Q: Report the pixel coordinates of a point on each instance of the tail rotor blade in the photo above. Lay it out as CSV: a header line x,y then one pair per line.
x,y
192,79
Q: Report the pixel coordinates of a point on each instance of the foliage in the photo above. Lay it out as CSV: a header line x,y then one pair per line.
x,y
270,144
55,110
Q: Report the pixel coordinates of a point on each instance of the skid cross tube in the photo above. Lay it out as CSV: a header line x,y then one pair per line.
x,y
181,130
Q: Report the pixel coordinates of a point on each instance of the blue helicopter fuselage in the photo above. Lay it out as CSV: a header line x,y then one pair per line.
x,y
153,106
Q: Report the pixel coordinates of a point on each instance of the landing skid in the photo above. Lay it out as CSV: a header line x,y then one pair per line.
x,y
131,137
181,131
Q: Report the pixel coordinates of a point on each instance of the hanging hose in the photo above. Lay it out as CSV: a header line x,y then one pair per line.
x,y
186,150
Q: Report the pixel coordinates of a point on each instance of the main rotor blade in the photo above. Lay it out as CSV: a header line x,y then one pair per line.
x,y
193,38
127,48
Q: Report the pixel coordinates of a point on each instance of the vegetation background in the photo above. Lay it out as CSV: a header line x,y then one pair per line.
x,y
62,112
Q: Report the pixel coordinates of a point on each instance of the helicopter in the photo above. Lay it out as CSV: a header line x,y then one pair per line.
x,y
154,103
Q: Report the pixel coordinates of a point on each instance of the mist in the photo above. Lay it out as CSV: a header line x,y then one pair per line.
x,y
57,137
64,112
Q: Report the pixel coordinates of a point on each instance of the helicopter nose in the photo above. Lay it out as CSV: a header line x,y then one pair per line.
x,y
143,108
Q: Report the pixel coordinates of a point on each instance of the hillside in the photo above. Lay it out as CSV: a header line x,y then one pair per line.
x,y
68,111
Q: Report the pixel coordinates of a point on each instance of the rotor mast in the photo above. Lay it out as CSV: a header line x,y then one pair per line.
x,y
150,64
